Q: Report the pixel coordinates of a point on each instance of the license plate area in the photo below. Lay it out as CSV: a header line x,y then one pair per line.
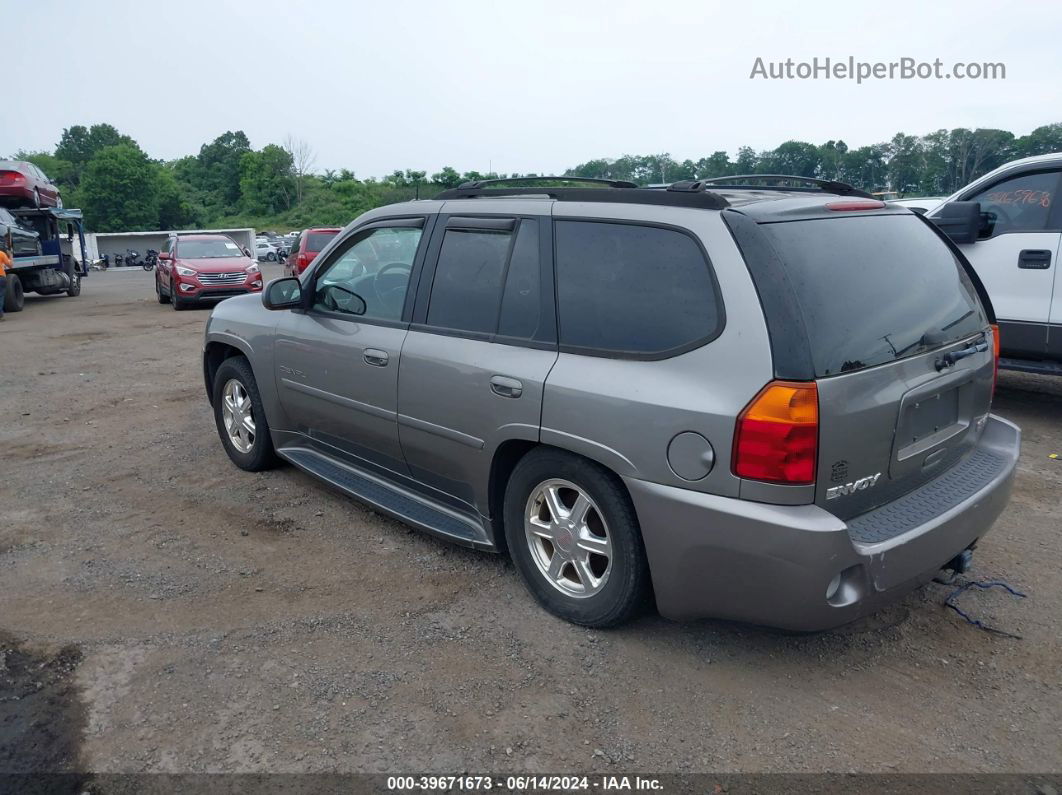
x,y
930,417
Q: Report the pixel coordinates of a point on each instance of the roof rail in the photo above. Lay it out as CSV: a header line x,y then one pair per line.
x,y
611,183
704,200
748,181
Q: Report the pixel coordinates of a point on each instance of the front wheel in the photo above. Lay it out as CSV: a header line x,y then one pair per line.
x,y
574,537
14,299
74,290
148,266
175,301
240,417
163,299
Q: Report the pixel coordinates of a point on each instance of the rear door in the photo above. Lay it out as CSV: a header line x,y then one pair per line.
x,y
901,350
1016,258
476,358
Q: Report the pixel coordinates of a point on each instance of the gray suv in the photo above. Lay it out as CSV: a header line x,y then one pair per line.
x,y
764,400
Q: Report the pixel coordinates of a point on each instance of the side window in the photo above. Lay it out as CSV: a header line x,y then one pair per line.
x,y
466,291
370,277
1020,204
624,288
295,242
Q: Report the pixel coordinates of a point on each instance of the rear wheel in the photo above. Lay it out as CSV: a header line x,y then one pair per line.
x,y
271,257
58,201
14,298
36,198
240,417
574,538
163,299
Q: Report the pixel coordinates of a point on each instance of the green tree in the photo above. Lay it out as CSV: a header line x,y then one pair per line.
x,y
267,179
218,171
79,144
1041,141
447,178
119,190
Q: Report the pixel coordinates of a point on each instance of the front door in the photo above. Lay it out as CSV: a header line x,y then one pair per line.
x,y
1016,257
337,362
475,361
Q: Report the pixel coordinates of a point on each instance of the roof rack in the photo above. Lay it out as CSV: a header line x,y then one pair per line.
x,y
704,200
747,181
610,183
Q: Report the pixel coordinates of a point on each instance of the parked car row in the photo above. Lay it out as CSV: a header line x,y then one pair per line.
x,y
762,403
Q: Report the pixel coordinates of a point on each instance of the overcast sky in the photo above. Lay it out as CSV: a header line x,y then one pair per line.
x,y
520,86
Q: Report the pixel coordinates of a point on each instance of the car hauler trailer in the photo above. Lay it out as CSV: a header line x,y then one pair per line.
x,y
62,263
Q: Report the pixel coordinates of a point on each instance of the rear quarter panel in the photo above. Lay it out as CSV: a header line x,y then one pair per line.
x,y
624,413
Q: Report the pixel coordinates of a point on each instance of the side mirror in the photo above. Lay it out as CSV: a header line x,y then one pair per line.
x,y
283,293
961,221
165,256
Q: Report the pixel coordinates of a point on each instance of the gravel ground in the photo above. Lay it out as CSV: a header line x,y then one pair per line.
x,y
161,610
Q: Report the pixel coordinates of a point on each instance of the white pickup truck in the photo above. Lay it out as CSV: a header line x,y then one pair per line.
x,y
1009,224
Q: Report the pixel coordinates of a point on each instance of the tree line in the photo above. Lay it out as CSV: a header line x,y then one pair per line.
x,y
229,183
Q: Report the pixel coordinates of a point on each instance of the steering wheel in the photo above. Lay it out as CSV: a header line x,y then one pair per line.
x,y
398,275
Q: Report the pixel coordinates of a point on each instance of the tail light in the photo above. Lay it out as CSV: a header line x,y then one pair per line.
x,y
302,261
11,178
777,434
995,357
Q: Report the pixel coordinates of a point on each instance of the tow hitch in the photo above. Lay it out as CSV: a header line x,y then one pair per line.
x,y
960,564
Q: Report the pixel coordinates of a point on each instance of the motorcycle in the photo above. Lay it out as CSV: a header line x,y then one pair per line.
x,y
103,262
151,260
132,258
119,260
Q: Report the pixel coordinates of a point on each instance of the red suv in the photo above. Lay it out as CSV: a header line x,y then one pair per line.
x,y
194,268
307,245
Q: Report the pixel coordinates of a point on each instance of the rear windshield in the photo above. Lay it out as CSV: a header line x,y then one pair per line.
x,y
874,289
207,249
316,241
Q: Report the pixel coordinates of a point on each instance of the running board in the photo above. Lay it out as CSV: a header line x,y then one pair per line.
x,y
1045,367
406,506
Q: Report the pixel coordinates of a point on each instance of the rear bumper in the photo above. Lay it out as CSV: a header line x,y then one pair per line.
x,y
721,557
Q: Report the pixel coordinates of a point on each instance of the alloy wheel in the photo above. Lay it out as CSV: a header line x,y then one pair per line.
x,y
238,415
568,538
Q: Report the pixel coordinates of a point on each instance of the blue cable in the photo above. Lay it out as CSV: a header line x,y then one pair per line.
x,y
983,586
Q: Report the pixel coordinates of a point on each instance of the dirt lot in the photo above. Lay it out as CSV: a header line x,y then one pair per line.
x,y
164,611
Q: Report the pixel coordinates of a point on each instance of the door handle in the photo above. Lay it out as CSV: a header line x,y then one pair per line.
x,y
503,386
375,357
1034,259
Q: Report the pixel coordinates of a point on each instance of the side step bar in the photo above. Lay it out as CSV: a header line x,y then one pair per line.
x,y
1031,366
402,504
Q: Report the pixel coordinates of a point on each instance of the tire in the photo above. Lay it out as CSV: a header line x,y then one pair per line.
x,y
271,257
74,290
14,298
36,198
176,302
260,454
58,201
624,588
163,299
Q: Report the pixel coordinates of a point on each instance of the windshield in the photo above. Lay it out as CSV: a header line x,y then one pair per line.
x,y
874,289
207,249
316,241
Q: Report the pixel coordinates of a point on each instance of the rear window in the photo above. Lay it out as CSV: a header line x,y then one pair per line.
x,y
874,289
316,241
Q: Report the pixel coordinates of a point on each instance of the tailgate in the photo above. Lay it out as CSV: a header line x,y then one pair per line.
x,y
888,430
